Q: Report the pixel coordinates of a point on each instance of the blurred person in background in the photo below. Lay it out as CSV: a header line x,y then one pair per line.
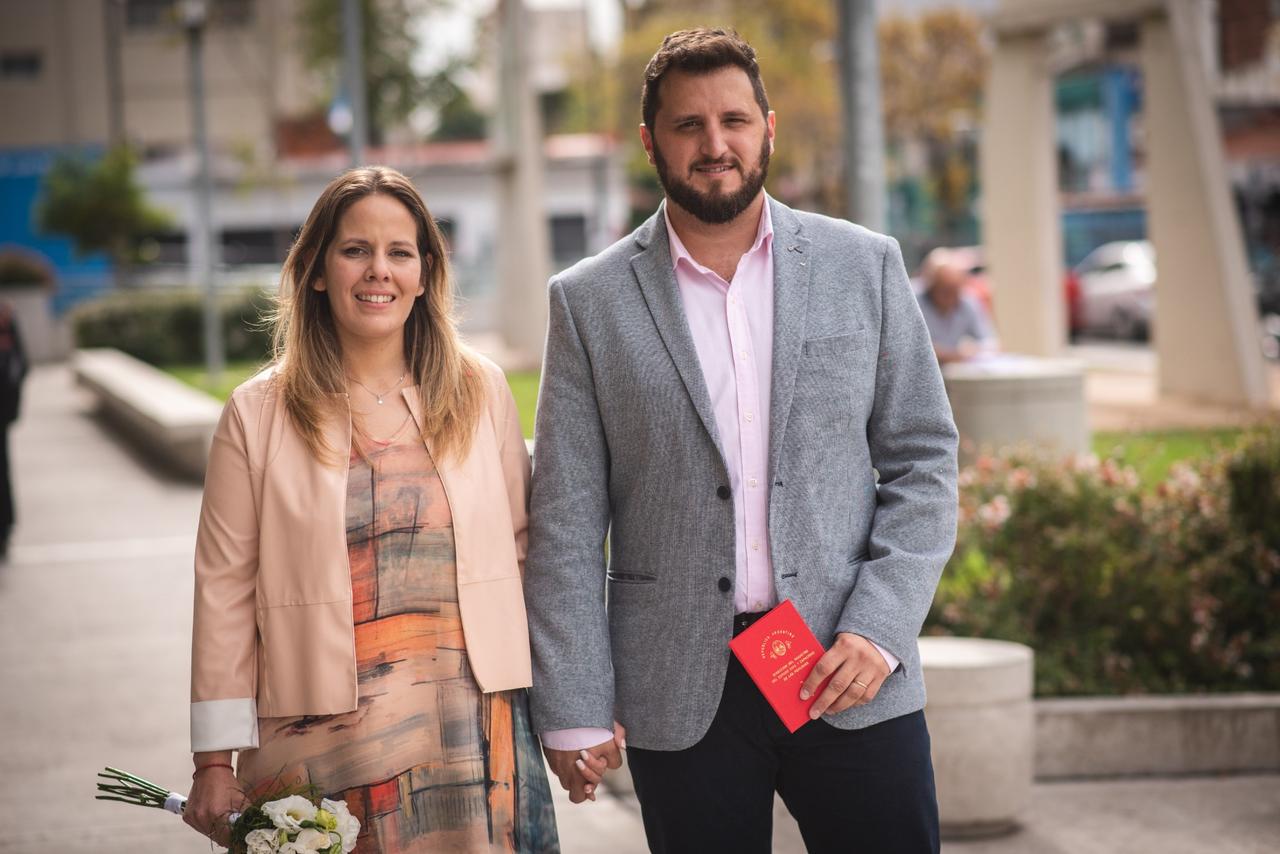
x,y
359,619
958,324
13,369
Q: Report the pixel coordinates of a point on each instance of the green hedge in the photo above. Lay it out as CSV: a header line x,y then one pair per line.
x,y
1121,588
167,327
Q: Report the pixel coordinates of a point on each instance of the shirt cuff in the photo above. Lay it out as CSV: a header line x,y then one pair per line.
x,y
889,658
224,725
578,738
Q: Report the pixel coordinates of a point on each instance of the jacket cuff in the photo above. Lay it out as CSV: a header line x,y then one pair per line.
x,y
224,725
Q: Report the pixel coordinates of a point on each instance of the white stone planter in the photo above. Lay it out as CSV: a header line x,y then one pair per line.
x,y
982,729
1013,400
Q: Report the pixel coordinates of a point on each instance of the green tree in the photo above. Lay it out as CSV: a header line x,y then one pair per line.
x,y
98,204
393,89
932,72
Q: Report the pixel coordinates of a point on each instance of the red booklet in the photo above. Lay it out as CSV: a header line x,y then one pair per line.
x,y
778,651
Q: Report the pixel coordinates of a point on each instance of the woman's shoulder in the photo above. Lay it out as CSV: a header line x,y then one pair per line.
x,y
259,392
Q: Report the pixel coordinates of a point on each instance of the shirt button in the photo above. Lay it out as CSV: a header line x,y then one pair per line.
x,y
743,355
724,584
753,483
755,547
749,417
723,492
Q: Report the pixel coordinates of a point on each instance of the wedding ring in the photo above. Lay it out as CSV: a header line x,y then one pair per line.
x,y
864,685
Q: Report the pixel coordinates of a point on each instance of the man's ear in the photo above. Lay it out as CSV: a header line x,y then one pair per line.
x,y
771,123
646,139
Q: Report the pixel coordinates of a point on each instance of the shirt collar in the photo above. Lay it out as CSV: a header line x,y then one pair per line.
x,y
764,238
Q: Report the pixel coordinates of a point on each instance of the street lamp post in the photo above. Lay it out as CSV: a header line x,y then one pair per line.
x,y
200,242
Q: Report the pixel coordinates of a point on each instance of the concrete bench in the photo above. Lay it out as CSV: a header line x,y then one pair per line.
x,y
982,729
160,414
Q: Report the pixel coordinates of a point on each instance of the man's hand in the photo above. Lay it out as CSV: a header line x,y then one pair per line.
x,y
857,670
580,771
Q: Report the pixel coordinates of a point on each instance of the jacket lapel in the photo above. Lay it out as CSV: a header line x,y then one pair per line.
x,y
792,269
657,280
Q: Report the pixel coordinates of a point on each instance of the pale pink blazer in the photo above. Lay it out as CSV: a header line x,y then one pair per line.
x,y
274,632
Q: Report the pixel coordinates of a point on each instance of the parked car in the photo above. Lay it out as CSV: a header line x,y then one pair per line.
x,y
1117,283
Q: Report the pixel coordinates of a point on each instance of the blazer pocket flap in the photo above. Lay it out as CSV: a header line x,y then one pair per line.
x,y
830,345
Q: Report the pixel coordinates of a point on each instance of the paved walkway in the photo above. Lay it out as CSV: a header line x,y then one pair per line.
x,y
95,623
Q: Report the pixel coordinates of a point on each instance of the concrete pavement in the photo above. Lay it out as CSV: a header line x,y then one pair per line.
x,y
95,621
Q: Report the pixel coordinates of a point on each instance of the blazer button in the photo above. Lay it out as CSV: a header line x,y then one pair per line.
x,y
725,584
723,492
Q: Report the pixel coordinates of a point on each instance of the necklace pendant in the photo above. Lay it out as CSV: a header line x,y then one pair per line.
x,y
379,401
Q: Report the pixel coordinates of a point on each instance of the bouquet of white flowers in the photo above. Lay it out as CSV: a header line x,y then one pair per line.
x,y
294,823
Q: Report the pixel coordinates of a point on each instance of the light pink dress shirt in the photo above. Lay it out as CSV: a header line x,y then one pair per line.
x,y
732,327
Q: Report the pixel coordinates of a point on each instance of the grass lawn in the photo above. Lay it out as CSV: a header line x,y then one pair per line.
x,y
524,385
1151,454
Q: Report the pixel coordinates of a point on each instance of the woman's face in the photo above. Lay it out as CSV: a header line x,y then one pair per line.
x,y
372,271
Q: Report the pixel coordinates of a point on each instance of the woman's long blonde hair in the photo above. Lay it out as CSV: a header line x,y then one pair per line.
x,y
308,355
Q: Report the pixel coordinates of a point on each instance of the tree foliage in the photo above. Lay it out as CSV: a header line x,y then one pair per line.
x,y
98,204
393,88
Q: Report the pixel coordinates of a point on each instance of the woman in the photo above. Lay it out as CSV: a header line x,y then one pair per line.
x,y
359,621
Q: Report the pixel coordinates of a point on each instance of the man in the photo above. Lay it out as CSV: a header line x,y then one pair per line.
x,y
957,323
720,390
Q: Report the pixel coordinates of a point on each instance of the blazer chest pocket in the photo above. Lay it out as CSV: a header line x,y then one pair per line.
x,y
832,345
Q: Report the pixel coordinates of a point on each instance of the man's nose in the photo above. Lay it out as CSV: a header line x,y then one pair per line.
x,y
714,146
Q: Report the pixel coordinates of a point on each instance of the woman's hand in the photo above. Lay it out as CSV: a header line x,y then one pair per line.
x,y
215,795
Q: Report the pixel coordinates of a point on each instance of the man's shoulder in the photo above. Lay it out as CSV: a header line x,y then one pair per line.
x,y
604,268
820,227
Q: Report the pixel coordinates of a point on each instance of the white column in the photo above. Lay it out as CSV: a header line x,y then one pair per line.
x,y
524,251
1205,325
1021,227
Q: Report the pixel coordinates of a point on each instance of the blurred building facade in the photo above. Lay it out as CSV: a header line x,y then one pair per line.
x,y
84,75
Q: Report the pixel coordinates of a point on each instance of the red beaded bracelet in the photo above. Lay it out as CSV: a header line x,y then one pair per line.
x,y
211,765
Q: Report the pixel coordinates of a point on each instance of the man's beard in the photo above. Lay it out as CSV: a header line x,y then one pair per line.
x,y
713,208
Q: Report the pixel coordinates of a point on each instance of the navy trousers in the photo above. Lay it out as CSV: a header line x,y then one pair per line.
x,y
851,791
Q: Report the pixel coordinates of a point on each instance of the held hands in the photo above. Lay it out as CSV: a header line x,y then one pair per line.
x,y
580,771
857,670
215,795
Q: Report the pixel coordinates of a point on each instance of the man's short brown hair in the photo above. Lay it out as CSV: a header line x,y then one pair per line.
x,y
699,51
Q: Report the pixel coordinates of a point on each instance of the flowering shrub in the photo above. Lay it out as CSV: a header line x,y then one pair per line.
x,y
1120,589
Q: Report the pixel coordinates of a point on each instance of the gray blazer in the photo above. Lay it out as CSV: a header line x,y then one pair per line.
x,y
627,447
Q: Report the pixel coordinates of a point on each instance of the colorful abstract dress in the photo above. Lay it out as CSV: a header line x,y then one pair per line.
x,y
426,762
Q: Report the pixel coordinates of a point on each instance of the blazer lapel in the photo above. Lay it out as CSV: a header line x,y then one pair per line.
x,y
792,269
657,280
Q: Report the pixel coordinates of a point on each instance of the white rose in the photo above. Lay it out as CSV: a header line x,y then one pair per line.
x,y
309,840
261,841
348,825
289,813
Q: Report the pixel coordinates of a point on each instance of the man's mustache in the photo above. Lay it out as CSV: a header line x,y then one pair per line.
x,y
735,163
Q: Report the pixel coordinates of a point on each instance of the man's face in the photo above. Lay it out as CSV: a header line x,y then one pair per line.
x,y
948,283
710,143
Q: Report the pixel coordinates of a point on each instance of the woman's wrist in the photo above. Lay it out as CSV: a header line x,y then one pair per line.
x,y
212,758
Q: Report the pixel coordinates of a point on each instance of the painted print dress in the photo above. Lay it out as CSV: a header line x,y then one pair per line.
x,y
426,762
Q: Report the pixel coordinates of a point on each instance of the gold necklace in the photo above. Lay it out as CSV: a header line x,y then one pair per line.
x,y
385,442
376,394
